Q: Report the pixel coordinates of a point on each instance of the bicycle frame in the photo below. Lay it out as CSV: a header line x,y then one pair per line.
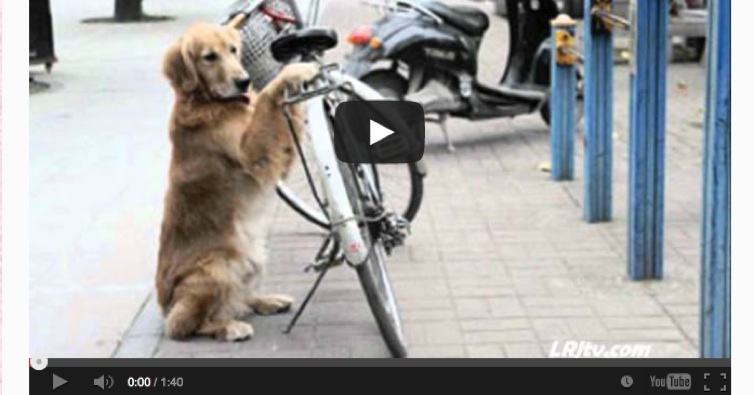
x,y
340,212
349,241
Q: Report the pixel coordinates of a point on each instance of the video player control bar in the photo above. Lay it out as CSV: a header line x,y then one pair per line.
x,y
552,380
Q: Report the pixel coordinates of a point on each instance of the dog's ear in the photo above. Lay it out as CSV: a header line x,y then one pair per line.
x,y
234,35
179,68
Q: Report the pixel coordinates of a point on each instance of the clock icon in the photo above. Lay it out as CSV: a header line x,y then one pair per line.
x,y
626,381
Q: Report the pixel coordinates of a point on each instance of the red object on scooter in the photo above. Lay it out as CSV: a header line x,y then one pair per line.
x,y
360,36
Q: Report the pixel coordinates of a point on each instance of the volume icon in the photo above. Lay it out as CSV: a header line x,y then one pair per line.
x,y
104,382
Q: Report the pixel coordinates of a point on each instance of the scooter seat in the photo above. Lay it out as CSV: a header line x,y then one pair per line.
x,y
468,19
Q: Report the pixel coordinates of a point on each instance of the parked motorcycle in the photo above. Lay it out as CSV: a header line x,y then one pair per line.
x,y
428,52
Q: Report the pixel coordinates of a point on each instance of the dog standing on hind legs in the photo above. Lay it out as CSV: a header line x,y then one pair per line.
x,y
230,146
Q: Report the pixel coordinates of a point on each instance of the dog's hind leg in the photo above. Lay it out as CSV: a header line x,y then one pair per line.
x,y
183,320
188,317
270,304
202,306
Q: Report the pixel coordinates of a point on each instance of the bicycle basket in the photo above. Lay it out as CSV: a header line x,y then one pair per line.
x,y
268,19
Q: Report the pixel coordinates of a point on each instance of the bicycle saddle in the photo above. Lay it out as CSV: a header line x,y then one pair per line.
x,y
303,42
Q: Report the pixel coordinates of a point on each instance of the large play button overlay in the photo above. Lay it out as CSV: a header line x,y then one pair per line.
x,y
379,132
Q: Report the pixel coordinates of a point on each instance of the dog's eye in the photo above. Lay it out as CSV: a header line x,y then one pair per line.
x,y
211,57
233,49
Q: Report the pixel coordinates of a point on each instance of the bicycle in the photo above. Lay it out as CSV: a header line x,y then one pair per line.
x,y
403,184
350,201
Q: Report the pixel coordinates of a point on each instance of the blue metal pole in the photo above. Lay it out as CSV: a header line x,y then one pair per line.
x,y
598,103
563,99
716,252
647,145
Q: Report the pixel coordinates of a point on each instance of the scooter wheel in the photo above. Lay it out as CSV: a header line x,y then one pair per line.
x,y
544,111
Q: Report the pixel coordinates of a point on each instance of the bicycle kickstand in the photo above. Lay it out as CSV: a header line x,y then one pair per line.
x,y
321,264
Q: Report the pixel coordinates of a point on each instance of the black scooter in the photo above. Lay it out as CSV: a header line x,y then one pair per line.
x,y
427,52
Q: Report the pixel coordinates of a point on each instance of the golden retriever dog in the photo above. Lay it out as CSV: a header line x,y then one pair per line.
x,y
230,145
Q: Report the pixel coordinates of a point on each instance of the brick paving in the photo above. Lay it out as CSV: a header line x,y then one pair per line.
x,y
500,263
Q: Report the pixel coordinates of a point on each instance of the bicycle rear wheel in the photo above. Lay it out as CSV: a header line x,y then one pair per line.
x,y
373,273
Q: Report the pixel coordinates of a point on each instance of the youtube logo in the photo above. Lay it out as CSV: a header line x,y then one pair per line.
x,y
379,132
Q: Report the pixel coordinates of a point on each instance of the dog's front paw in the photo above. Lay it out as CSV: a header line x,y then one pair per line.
x,y
296,73
238,331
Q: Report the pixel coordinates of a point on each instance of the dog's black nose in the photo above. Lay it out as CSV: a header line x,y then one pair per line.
x,y
243,84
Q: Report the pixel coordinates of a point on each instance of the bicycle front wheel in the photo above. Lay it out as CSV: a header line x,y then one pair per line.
x,y
373,273
379,292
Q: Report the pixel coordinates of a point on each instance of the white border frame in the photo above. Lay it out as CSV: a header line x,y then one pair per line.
x,y
742,194
15,195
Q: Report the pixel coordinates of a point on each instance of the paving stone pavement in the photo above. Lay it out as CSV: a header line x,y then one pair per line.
x,y
500,263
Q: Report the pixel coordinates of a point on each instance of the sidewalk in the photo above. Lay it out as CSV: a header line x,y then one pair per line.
x,y
99,155
500,263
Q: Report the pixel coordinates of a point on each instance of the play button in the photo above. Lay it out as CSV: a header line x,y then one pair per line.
x,y
57,381
379,132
